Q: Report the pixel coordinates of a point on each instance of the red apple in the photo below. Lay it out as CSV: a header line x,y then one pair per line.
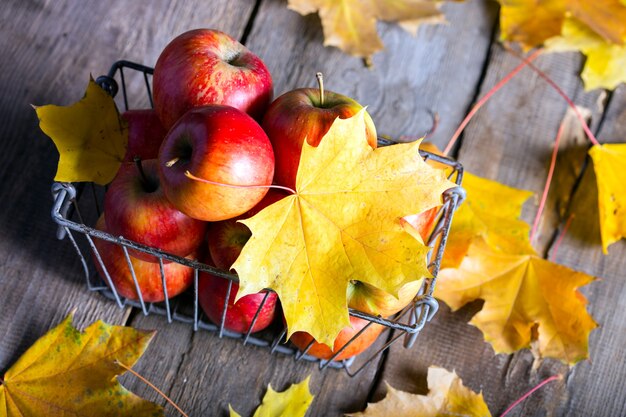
x,y
222,145
137,209
226,238
358,345
239,315
145,134
205,66
177,277
301,114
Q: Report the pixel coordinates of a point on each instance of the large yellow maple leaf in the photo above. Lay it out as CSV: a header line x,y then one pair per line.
x,y
293,402
605,66
524,295
447,396
351,24
532,22
491,213
90,136
341,225
609,163
67,372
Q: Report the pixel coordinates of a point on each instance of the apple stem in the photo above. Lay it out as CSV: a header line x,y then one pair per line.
x,y
139,166
151,385
171,162
280,187
320,82
529,393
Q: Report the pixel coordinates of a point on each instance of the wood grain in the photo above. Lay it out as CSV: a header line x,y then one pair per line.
x,y
595,386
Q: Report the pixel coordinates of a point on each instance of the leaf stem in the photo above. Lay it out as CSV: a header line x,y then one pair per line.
x,y
486,98
280,187
558,89
546,188
529,393
555,248
148,383
320,82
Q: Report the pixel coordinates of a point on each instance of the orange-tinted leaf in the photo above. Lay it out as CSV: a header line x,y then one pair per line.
x,y
607,18
342,225
67,372
447,396
531,22
609,162
522,292
90,136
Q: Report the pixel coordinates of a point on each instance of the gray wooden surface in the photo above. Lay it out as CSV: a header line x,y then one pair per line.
x,y
49,49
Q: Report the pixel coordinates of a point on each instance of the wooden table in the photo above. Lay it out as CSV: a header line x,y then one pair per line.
x,y
50,48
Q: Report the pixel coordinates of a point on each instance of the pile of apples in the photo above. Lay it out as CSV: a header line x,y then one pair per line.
x,y
204,158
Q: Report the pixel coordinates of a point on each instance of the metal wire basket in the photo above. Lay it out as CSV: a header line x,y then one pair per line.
x,y
70,199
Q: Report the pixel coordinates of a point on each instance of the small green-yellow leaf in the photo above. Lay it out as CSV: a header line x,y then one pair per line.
x,y
294,402
90,136
609,163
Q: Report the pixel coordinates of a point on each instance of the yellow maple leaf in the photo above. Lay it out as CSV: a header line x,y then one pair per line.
x,y
447,396
532,22
293,402
609,162
351,24
67,372
90,136
605,66
343,224
491,213
521,293
607,18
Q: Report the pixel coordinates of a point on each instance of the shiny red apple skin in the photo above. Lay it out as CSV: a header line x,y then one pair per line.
x,y
227,238
212,295
140,212
177,277
220,144
145,134
205,66
299,114
361,343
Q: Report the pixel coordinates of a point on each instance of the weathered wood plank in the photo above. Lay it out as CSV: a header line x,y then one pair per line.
x,y
438,70
596,387
509,140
